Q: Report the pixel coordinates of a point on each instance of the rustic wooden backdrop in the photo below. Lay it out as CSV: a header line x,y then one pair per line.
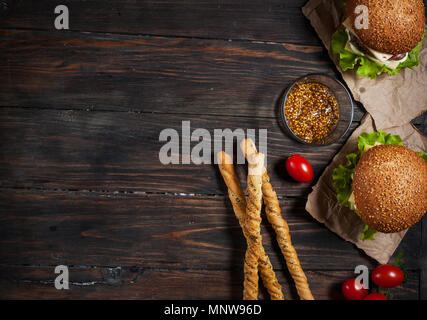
x,y
80,179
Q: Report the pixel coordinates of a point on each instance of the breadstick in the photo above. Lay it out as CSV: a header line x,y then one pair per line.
x,y
238,200
281,228
253,226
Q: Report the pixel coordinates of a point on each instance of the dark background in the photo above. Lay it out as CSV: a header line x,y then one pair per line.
x,y
80,180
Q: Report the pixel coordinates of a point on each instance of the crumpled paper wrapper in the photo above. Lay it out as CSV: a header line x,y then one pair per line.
x,y
322,203
392,102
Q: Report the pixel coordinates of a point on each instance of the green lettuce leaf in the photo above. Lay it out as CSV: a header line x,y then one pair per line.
x,y
372,138
368,233
423,155
365,66
342,176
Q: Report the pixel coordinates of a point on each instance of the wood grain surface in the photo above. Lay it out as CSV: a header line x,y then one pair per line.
x,y
135,283
278,21
160,238
151,74
120,229
81,183
80,150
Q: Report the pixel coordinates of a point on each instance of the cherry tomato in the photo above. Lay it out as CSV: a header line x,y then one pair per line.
x,y
299,168
353,290
375,296
387,276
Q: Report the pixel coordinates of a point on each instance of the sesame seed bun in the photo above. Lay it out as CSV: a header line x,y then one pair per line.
x,y
395,26
390,188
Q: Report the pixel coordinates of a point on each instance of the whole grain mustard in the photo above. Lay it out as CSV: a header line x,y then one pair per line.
x,y
311,111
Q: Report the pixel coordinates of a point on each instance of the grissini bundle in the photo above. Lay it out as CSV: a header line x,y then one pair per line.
x,y
238,200
253,226
280,226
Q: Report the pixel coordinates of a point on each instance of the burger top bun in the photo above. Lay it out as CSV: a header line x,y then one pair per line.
x,y
395,26
390,188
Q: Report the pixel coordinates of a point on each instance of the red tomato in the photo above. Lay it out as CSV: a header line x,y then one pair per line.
x,y
353,290
299,168
387,276
375,296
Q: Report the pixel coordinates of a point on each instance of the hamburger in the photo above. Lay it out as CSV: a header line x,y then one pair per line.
x,y
391,41
384,183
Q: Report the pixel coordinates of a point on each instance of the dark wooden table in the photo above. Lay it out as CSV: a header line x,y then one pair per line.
x,y
81,182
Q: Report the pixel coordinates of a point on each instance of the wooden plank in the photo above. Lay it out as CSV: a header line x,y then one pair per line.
x,y
157,231
119,151
151,74
423,282
423,261
134,283
236,19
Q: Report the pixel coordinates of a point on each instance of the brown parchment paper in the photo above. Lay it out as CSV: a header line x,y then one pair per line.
x,y
392,102
323,206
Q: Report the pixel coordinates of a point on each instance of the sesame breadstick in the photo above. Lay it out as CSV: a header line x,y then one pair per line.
x,y
238,200
281,228
253,226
